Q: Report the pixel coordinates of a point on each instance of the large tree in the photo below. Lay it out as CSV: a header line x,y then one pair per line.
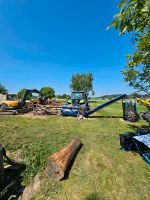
x,y
3,90
82,82
65,96
47,92
134,17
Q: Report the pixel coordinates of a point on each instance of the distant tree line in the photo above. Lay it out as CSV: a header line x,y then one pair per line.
x,y
49,92
132,95
63,96
111,96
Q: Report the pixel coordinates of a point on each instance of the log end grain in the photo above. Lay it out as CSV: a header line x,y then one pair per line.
x,y
53,171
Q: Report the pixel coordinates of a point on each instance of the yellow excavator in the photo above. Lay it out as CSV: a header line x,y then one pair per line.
x,y
145,115
10,101
144,102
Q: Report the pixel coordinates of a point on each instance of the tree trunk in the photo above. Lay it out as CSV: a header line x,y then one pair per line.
x,y
2,176
59,162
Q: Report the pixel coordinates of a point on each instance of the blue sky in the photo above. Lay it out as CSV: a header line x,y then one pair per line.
x,y
43,42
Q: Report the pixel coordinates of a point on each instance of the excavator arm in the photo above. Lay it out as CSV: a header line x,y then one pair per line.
x,y
145,115
28,92
144,102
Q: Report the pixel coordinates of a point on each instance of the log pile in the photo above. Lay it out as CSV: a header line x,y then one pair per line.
x,y
59,162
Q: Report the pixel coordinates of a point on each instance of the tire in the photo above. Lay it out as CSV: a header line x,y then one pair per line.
x,y
141,115
146,116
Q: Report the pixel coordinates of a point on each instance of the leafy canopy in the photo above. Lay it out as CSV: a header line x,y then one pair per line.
x,y
3,90
134,16
47,92
82,82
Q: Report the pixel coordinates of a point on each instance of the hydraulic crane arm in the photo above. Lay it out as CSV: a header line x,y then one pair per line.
x,y
144,102
27,92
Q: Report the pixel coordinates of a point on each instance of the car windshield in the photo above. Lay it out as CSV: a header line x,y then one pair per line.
x,y
79,95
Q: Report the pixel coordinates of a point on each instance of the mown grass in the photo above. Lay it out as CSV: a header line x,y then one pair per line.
x,y
100,171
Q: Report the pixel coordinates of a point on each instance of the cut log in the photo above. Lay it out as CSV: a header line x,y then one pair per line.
x,y
59,162
2,175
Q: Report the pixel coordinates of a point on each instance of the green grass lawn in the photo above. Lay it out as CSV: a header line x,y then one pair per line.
x,y
100,171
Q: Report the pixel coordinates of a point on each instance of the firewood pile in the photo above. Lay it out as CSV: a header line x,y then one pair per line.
x,y
46,110
41,111
54,102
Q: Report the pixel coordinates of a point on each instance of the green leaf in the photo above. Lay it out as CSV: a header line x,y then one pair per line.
x,y
145,9
121,3
113,23
125,29
123,8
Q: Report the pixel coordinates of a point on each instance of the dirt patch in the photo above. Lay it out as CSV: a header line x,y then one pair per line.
x,y
87,163
87,160
30,115
90,161
15,155
3,125
122,120
106,160
31,190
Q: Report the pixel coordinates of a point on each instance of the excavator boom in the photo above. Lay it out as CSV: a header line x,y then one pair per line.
x,y
144,102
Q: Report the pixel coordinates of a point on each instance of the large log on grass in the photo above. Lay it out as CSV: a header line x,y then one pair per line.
x,y
1,168
59,162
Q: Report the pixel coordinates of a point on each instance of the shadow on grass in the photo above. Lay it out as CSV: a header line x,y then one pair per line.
x,y
142,127
70,166
94,196
105,117
12,188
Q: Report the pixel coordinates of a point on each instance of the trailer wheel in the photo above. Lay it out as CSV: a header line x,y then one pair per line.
x,y
146,116
141,115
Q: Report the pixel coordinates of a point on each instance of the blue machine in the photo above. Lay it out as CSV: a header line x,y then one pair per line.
x,y
67,110
74,111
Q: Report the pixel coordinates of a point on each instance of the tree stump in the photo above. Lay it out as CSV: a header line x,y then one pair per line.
x,y
59,162
2,175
